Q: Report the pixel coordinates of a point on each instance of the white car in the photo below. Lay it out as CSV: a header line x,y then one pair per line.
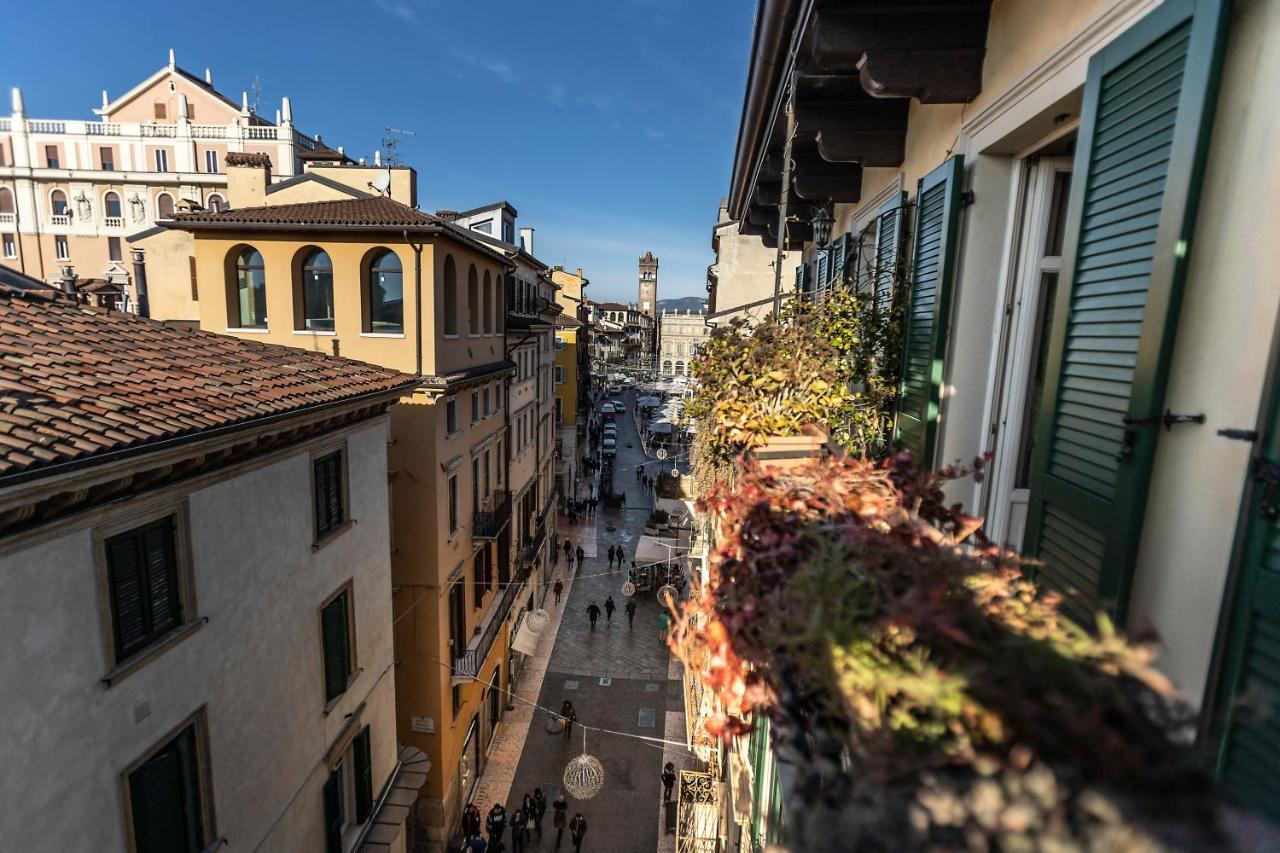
x,y
609,447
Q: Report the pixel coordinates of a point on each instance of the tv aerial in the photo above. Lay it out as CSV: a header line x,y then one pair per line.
x,y
392,137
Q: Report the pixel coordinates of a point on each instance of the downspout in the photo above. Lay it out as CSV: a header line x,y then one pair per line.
x,y
786,197
140,284
417,301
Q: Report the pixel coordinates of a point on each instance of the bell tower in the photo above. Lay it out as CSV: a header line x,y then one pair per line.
x,y
648,296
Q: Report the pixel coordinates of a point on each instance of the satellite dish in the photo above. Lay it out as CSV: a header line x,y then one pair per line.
x,y
382,182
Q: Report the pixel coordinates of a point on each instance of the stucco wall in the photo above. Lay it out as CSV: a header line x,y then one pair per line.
x,y
256,665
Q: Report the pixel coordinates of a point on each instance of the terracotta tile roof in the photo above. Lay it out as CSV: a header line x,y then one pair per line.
x,y
353,212
82,383
246,158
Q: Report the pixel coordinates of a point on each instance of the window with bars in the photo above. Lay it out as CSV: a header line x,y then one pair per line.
x,y
143,586
330,500
336,631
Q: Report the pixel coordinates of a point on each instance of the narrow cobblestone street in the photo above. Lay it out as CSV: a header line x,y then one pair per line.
x,y
619,677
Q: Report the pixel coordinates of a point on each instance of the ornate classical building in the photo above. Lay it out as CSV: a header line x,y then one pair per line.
x,y
680,335
72,191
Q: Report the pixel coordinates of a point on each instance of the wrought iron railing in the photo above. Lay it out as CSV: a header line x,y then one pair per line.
x,y
488,523
468,664
698,813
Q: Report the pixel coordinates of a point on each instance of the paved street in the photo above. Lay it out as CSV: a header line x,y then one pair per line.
x,y
618,677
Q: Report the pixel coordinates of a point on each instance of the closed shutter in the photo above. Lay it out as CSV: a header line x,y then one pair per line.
x,y
928,313
885,267
143,578
823,265
164,799
1143,134
328,494
364,776
336,649
839,258
802,279
333,812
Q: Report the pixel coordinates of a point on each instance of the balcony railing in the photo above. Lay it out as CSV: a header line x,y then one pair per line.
x,y
101,128
42,126
257,132
113,222
158,130
60,219
467,665
488,523
8,218
209,131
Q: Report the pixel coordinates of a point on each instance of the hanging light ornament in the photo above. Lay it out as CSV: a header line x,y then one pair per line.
x,y
537,620
584,774
667,595
628,589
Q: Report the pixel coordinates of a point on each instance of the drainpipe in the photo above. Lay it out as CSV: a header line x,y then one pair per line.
x,y
140,281
417,299
786,196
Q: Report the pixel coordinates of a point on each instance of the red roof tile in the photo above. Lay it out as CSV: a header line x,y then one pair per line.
x,y
357,212
81,382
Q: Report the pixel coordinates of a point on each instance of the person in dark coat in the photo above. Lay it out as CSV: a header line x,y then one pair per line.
x,y
560,818
631,612
593,613
496,823
568,715
536,809
582,555
577,831
471,821
519,831
557,589
477,845
668,781
609,607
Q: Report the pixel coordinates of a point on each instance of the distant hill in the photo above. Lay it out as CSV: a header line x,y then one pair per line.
x,y
683,303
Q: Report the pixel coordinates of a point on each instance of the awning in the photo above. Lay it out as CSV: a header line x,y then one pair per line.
x,y
660,427
651,549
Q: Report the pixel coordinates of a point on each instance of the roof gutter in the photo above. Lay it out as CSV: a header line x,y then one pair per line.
x,y
772,47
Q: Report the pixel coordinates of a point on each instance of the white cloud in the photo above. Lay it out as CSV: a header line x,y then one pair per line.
x,y
555,94
654,134
400,9
499,68
600,103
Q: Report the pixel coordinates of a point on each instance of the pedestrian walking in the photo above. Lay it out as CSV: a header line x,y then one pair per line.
x,y
631,613
582,555
568,715
622,499
471,821
560,817
577,831
539,809
558,588
519,831
668,781
570,561
477,845
593,613
664,625
496,823
609,607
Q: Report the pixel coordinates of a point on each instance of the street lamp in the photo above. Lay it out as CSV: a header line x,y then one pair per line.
x,y
822,222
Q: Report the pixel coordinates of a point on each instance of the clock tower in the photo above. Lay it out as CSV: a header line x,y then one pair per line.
x,y
648,298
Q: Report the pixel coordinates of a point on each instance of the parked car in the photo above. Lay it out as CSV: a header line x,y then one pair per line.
x,y
619,406
609,447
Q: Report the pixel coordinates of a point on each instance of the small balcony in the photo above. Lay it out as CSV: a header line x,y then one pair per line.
x,y
467,665
8,218
113,222
487,523
60,219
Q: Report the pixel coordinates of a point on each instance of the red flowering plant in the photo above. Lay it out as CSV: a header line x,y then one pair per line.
x,y
926,692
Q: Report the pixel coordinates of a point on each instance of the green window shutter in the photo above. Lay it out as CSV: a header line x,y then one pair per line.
x,y
890,237
839,257
337,655
802,279
364,776
822,265
333,812
164,799
1144,132
928,311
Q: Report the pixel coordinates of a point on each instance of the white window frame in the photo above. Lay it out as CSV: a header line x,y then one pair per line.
x,y
211,161
162,160
451,427
61,248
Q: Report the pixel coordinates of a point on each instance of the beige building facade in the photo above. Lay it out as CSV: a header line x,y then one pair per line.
x,y
740,284
249,694
681,334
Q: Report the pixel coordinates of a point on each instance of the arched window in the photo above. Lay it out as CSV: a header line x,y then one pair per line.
x,y
216,203
164,206
488,304
679,368
249,302
666,366
6,200
58,203
473,301
111,205
450,296
316,286
385,293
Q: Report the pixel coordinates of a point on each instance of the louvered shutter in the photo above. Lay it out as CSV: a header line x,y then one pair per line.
x,y
802,279
364,776
162,576
143,577
928,311
1143,134
839,257
333,812
128,601
886,266
164,799
336,654
328,494
822,265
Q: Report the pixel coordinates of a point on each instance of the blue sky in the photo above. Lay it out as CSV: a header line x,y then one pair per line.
x,y
608,124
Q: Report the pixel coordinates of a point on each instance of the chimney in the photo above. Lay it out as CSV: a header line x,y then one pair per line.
x,y
15,98
286,110
208,76
248,175
104,99
526,239
140,282
579,272
68,280
172,59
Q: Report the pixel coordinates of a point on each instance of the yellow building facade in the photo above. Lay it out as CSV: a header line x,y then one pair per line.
x,y
373,279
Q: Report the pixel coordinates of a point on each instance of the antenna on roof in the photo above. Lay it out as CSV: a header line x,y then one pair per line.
x,y
391,141
256,88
